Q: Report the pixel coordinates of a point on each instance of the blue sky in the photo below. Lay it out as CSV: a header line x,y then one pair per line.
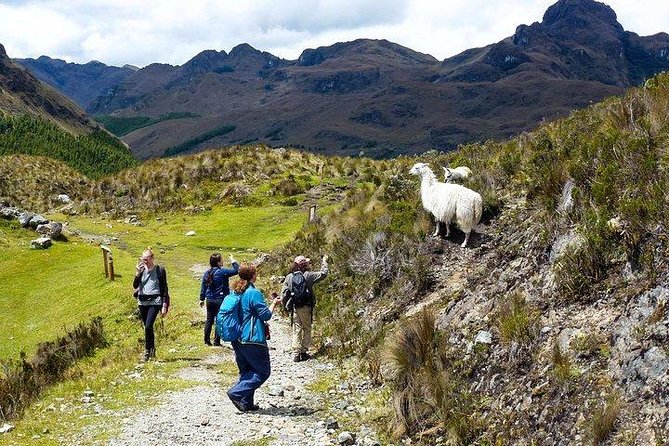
x,y
140,32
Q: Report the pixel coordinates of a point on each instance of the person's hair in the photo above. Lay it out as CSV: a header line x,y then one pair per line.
x,y
149,250
214,260
300,267
246,273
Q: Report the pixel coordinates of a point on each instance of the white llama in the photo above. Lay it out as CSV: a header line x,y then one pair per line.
x,y
446,200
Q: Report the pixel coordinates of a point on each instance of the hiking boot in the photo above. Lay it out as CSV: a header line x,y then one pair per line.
x,y
304,356
238,404
207,343
216,344
146,356
297,357
152,353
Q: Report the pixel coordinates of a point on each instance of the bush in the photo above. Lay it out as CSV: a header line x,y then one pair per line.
x,y
425,392
22,381
516,321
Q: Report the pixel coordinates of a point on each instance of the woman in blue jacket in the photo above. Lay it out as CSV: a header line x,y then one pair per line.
x,y
212,291
251,351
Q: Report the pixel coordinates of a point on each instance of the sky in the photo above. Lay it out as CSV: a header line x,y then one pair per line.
x,y
140,32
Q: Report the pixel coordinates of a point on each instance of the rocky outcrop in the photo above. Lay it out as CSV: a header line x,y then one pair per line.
x,y
49,229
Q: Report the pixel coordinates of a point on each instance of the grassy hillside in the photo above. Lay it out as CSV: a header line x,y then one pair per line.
x,y
595,182
95,154
574,230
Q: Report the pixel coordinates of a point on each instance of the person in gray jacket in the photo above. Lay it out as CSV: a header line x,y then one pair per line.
x,y
297,295
153,297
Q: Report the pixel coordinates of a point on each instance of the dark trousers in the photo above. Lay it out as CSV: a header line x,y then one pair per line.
x,y
212,310
254,369
149,314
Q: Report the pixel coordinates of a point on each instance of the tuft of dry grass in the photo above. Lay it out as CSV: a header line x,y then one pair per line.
x,y
604,420
428,397
517,321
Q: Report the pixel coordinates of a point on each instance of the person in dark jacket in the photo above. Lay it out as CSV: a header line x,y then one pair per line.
x,y
302,314
251,351
212,291
153,297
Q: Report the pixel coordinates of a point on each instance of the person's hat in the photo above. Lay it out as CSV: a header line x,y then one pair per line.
x,y
301,260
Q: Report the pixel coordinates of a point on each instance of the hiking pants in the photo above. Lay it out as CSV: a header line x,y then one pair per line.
x,y
254,369
149,314
212,310
302,329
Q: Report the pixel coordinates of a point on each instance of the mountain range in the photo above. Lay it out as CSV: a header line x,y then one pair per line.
x,y
369,95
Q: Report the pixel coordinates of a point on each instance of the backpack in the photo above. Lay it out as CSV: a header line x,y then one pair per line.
x,y
229,318
299,294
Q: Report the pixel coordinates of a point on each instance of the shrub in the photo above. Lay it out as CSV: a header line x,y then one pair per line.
x,y
22,381
604,420
562,366
517,321
426,393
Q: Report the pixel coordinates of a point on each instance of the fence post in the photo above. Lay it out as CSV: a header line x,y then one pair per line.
x,y
111,266
312,213
108,261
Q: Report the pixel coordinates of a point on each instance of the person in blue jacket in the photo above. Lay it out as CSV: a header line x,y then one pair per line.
x,y
212,291
251,351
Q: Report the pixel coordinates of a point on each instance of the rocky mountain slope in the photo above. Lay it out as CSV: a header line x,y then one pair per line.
x,y
377,96
37,120
22,93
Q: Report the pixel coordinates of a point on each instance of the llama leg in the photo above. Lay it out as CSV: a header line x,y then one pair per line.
x,y
437,229
466,240
448,229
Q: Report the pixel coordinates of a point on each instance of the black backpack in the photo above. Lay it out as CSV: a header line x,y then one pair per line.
x,y
299,294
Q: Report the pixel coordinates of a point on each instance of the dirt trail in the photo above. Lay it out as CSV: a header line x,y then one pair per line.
x,y
203,415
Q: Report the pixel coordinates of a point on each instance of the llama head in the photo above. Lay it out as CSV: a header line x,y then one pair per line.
x,y
420,169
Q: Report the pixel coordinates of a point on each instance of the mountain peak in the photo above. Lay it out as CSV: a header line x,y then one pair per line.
x,y
3,53
243,49
579,13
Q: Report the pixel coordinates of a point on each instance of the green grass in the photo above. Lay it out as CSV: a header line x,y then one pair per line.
x,y
66,282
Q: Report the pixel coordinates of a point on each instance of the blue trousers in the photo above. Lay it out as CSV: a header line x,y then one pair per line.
x,y
212,310
254,369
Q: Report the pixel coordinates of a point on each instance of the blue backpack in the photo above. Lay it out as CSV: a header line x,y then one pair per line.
x,y
229,318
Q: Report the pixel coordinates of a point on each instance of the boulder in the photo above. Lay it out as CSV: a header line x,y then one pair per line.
x,y
25,217
52,229
40,243
346,438
9,213
64,198
37,220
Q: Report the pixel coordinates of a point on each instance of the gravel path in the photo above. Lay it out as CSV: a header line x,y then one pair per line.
x,y
203,415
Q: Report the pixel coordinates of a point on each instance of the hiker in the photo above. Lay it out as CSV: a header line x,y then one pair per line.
x,y
251,350
298,298
212,291
153,297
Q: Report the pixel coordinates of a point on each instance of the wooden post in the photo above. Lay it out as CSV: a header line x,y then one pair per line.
x,y
312,213
111,266
106,259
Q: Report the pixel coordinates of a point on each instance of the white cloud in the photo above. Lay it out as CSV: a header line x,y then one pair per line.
x,y
172,31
